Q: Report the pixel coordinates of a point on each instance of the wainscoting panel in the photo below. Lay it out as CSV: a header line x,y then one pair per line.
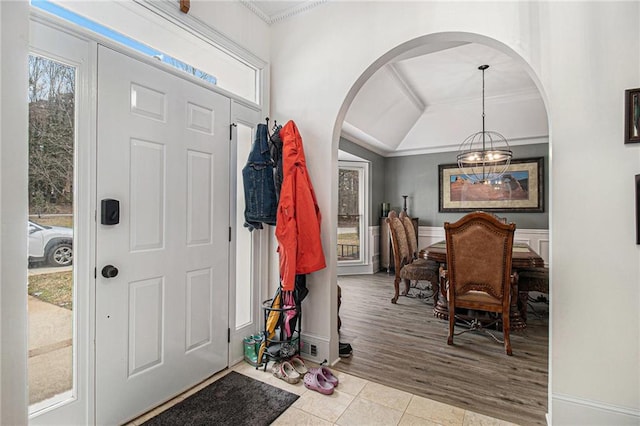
x,y
537,239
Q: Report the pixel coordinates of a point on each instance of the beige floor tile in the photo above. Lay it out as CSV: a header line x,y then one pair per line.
x,y
249,370
296,417
364,412
350,384
374,404
297,388
432,410
384,395
243,367
476,419
411,420
327,407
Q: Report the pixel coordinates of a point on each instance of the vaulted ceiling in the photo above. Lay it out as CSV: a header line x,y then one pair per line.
x,y
429,99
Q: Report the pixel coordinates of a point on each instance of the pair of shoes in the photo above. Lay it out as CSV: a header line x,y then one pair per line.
x,y
321,380
285,371
344,350
298,364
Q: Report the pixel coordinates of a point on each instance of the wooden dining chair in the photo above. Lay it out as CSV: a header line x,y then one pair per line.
x,y
417,269
478,275
400,249
405,265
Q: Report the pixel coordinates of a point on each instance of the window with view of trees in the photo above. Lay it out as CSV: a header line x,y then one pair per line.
x,y
350,212
51,135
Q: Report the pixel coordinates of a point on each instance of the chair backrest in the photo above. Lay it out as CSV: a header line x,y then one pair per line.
x,y
411,234
399,242
479,254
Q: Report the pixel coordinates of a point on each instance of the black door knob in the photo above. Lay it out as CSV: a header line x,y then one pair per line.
x,y
109,271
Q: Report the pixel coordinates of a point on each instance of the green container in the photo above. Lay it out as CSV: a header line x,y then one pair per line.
x,y
250,354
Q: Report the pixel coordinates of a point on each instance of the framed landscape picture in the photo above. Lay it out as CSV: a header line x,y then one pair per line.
x,y
520,189
632,116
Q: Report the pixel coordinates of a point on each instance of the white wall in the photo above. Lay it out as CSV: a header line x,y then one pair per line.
x,y
583,55
14,32
595,336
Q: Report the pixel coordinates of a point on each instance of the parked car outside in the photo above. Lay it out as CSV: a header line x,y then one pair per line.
x,y
50,244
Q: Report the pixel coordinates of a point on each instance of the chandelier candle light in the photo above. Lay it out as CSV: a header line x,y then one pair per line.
x,y
484,156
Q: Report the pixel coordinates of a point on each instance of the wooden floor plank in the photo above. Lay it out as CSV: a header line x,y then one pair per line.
x,y
405,346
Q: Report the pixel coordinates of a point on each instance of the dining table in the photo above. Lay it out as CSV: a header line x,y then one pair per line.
x,y
523,257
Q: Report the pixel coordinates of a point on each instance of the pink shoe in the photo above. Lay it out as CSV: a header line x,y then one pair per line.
x,y
328,375
317,382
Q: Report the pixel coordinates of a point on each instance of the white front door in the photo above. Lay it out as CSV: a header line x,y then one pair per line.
x,y
163,154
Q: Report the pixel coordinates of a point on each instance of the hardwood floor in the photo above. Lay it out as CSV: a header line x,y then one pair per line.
x,y
405,346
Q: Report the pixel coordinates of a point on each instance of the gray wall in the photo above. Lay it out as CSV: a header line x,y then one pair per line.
x,y
417,177
376,177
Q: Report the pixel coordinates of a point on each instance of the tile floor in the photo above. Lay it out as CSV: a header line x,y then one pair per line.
x,y
355,402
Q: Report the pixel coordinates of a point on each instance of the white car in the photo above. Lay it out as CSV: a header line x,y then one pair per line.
x,y
50,244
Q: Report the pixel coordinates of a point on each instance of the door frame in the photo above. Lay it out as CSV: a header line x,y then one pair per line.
x,y
86,210
362,265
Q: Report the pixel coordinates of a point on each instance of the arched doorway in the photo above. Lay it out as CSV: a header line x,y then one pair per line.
x,y
428,371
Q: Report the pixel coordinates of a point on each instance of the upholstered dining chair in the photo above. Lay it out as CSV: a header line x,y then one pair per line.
x,y
417,269
403,259
478,275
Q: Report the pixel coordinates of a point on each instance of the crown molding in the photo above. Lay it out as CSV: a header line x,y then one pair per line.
x,y
287,13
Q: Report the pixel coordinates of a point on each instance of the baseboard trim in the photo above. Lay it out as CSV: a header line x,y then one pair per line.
x,y
569,410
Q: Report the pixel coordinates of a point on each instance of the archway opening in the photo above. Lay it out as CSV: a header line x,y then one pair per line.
x,y
413,126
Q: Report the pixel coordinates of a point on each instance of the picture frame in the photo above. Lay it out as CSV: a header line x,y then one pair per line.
x,y
632,116
637,209
521,189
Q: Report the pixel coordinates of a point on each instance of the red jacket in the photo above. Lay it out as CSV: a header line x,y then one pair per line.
x,y
298,217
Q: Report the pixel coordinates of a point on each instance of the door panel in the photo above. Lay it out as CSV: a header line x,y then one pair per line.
x,y
163,152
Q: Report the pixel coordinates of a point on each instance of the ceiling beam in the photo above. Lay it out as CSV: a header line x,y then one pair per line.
x,y
406,88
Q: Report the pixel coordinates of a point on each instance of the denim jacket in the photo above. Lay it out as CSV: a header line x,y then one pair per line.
x,y
261,203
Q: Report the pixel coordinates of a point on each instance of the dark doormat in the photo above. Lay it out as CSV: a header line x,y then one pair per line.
x,y
234,399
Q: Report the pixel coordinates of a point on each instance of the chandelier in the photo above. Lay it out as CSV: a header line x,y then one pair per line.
x,y
483,157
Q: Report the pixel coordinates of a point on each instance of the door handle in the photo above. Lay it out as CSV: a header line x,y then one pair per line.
x,y
109,271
